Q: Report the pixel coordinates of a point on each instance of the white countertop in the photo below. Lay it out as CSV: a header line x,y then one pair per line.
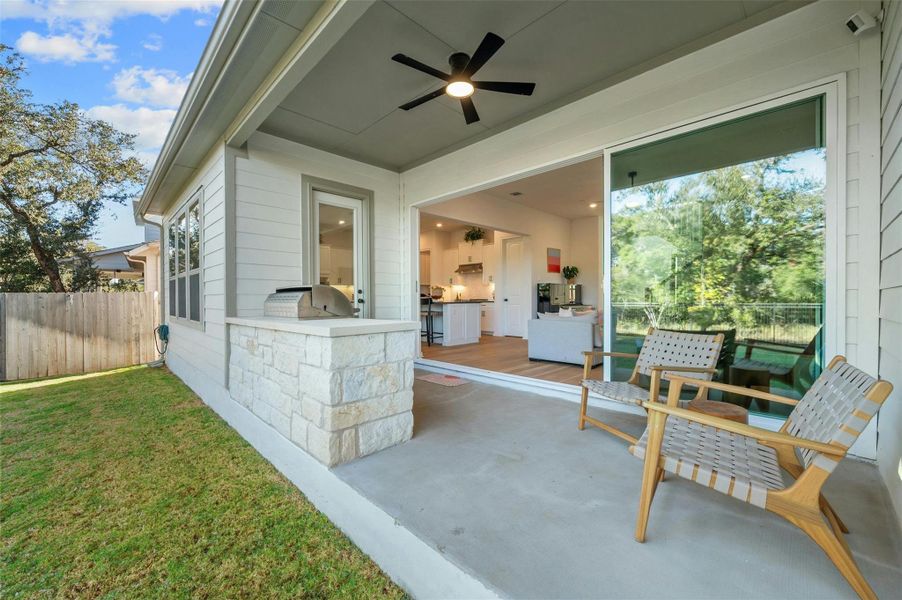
x,y
326,327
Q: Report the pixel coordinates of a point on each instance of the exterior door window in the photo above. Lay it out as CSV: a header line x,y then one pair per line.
x,y
340,250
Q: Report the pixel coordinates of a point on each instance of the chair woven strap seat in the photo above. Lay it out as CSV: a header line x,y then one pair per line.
x,y
731,464
620,391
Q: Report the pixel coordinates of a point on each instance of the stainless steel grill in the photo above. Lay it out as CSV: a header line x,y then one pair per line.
x,y
308,302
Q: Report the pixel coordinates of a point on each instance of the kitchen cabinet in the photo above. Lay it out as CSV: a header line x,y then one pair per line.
x,y
487,317
449,265
325,260
460,323
468,253
489,260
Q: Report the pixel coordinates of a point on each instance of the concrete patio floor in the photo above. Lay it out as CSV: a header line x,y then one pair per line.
x,y
503,485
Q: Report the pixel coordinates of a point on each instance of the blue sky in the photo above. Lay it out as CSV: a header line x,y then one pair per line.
x,y
127,62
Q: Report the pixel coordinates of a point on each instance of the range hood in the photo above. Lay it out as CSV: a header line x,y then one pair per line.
x,y
469,268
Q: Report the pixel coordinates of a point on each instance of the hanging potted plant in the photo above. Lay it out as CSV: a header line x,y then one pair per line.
x,y
570,273
474,234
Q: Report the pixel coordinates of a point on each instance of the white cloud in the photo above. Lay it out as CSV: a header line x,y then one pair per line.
x,y
148,124
154,42
201,22
77,25
156,87
67,48
101,11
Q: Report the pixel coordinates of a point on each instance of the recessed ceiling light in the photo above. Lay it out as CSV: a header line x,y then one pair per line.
x,y
341,222
593,205
438,224
516,193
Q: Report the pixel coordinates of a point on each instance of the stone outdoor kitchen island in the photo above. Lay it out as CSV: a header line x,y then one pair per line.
x,y
337,388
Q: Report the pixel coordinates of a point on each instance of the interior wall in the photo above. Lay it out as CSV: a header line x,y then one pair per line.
x,y
889,441
585,253
543,231
268,220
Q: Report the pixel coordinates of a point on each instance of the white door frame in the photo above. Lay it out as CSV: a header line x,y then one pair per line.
x,y
310,242
357,250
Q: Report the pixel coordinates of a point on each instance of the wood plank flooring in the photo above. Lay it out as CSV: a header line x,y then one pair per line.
x,y
506,355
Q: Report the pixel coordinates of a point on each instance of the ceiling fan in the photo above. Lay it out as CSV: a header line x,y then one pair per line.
x,y
460,83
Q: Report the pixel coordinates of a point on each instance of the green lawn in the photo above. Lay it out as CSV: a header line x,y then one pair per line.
x,y
126,484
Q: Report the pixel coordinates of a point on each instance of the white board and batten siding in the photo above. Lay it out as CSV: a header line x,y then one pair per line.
x,y
269,250
197,352
889,444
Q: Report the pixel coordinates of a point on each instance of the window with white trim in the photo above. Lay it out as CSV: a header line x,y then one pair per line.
x,y
184,261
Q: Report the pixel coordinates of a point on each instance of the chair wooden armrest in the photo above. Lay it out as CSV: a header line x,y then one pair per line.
x,y
590,354
762,435
735,389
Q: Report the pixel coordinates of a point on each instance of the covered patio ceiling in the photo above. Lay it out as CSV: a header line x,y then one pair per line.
x,y
347,103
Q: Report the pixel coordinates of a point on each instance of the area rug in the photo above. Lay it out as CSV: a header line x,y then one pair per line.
x,y
446,380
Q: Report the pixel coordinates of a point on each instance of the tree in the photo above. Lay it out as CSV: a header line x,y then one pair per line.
x,y
702,246
58,169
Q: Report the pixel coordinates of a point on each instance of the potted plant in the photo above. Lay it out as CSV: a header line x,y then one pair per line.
x,y
474,234
570,273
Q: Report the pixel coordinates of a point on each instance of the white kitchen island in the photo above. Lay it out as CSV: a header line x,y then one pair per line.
x,y
458,322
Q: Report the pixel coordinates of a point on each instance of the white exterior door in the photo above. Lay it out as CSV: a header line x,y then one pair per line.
x,y
512,302
340,259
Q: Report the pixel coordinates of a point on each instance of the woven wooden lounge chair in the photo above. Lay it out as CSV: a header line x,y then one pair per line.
x,y
663,352
745,462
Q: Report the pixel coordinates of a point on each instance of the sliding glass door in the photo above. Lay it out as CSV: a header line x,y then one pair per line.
x,y
723,229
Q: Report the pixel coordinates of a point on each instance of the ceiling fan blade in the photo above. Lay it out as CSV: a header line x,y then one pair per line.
x,y
487,48
506,87
415,64
470,113
422,99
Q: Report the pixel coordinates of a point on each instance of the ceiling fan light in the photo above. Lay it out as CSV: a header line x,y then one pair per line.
x,y
460,89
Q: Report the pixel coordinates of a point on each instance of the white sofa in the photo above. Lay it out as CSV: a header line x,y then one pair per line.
x,y
563,339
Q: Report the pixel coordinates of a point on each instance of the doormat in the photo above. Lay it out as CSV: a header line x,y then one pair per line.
x,y
445,380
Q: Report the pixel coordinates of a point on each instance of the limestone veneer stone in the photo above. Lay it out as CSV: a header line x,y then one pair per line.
x,y
338,398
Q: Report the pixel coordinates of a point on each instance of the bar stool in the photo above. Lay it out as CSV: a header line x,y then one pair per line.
x,y
428,318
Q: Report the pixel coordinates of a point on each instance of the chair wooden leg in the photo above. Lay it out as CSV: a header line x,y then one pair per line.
x,y
838,552
583,404
651,473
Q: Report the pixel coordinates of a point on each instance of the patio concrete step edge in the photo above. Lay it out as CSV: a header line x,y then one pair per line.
x,y
410,562
553,389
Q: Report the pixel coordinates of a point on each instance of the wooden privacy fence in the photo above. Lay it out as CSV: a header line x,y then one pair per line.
x,y
62,334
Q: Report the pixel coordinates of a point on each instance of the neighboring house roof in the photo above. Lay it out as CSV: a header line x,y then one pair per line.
x,y
121,258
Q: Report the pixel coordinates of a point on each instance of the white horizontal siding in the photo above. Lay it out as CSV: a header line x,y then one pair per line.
x,y
199,353
267,232
268,220
889,441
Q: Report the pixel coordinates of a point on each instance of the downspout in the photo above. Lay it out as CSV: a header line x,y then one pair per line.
x,y
162,288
